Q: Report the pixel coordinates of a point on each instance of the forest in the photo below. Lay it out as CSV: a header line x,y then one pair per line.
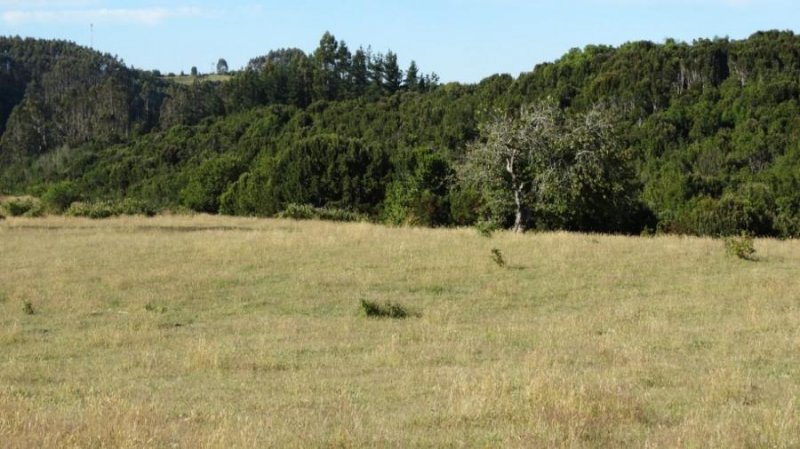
x,y
696,138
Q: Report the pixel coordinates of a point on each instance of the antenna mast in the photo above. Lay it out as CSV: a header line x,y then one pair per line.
x,y
91,35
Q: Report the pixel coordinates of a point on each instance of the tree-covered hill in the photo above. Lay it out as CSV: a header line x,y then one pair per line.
x,y
707,133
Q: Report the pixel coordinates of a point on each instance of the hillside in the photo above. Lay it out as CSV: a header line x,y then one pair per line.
x,y
224,332
709,130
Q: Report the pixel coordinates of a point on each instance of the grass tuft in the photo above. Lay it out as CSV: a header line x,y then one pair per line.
x,y
497,257
388,309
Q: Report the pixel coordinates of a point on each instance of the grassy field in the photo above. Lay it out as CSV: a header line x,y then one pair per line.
x,y
189,79
225,332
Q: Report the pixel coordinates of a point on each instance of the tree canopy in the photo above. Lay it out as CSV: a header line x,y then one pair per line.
x,y
698,138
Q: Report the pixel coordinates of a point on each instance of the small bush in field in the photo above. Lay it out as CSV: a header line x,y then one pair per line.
x,y
375,309
333,214
27,207
308,212
497,257
132,206
105,209
485,228
60,196
298,212
27,308
152,307
100,209
740,246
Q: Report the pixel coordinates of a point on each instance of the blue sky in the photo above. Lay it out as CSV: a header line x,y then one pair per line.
x,y
461,40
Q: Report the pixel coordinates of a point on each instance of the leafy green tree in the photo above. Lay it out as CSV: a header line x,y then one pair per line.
x,y
504,162
419,194
329,171
570,170
61,195
209,181
222,66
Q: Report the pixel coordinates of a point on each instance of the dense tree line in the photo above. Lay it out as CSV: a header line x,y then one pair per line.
x,y
704,136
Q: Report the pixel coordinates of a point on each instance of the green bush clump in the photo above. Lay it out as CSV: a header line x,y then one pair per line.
x,y
308,212
99,209
741,247
105,209
375,309
486,228
334,214
26,206
58,197
298,212
27,308
209,181
132,206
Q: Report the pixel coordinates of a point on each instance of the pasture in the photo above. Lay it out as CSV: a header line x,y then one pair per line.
x,y
217,332
191,79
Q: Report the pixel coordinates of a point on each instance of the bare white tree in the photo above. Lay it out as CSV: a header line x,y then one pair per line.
x,y
504,159
560,165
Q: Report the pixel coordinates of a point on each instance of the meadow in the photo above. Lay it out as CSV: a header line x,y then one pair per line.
x,y
191,79
218,332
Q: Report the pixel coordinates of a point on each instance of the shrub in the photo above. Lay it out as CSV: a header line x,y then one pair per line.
x,y
308,212
27,206
27,308
99,209
152,307
298,212
485,228
334,214
374,309
497,257
105,209
58,197
330,170
209,181
418,195
78,209
741,247
132,206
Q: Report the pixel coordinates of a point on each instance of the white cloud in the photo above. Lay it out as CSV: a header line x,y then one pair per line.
x,y
140,16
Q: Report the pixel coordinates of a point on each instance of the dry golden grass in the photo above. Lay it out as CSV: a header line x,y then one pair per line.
x,y
221,332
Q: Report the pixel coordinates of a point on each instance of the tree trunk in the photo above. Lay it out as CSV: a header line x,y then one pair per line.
x,y
519,216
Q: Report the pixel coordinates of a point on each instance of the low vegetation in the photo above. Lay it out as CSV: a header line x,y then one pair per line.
x,y
388,309
741,247
191,79
219,332
25,206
